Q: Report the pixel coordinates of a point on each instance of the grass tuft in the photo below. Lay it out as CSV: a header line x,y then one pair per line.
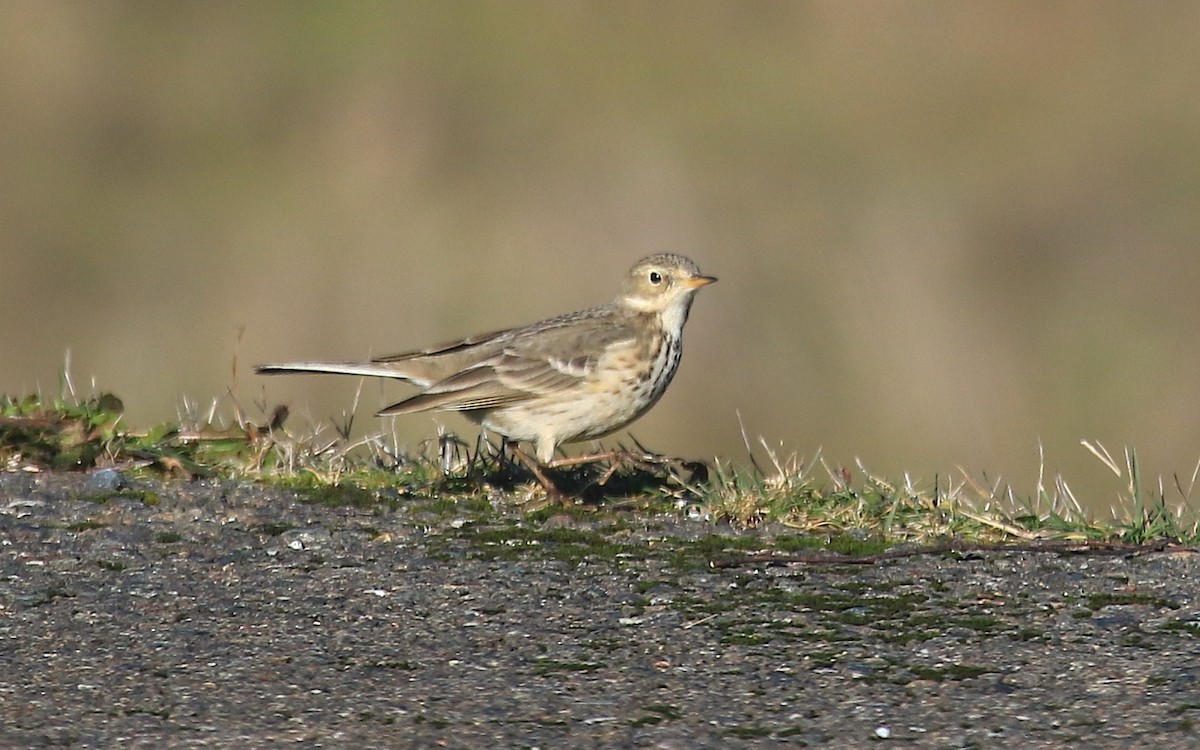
x,y
813,503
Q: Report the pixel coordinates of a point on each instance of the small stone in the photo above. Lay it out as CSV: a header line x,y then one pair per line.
x,y
105,480
311,537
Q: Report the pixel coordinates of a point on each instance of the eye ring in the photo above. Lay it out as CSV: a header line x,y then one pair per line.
x,y
655,278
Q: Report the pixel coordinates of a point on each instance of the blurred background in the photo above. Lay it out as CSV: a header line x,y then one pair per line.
x,y
946,233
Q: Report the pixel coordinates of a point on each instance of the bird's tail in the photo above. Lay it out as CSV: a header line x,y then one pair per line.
x,y
368,369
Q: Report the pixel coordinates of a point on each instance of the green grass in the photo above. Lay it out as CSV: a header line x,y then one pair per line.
x,y
817,507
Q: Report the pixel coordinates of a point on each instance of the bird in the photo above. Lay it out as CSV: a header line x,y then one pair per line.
x,y
574,377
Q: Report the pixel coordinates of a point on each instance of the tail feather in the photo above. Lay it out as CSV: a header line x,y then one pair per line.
x,y
367,369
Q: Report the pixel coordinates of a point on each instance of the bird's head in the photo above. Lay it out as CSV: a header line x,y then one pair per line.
x,y
663,285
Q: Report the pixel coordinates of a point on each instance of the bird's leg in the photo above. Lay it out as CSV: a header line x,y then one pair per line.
x,y
617,458
535,469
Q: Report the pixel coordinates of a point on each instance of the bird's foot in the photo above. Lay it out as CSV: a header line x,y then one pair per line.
x,y
616,459
613,460
554,493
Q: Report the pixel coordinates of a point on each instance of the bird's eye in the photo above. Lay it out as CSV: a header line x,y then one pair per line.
x,y
655,278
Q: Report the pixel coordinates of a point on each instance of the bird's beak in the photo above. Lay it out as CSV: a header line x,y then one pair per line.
x,y
696,282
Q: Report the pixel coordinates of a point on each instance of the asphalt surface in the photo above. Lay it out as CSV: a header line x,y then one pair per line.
x,y
144,613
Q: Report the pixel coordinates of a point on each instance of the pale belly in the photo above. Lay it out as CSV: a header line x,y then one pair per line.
x,y
597,408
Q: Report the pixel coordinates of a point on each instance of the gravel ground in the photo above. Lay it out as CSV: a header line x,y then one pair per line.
x,y
138,613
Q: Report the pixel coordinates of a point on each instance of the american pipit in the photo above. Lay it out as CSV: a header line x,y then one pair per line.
x,y
575,377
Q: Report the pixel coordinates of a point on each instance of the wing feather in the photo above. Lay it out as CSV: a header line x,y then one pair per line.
x,y
533,363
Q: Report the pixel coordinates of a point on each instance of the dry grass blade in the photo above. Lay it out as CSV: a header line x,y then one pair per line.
x,y
1099,451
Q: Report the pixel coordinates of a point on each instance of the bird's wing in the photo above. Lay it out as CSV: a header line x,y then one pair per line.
x,y
551,357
